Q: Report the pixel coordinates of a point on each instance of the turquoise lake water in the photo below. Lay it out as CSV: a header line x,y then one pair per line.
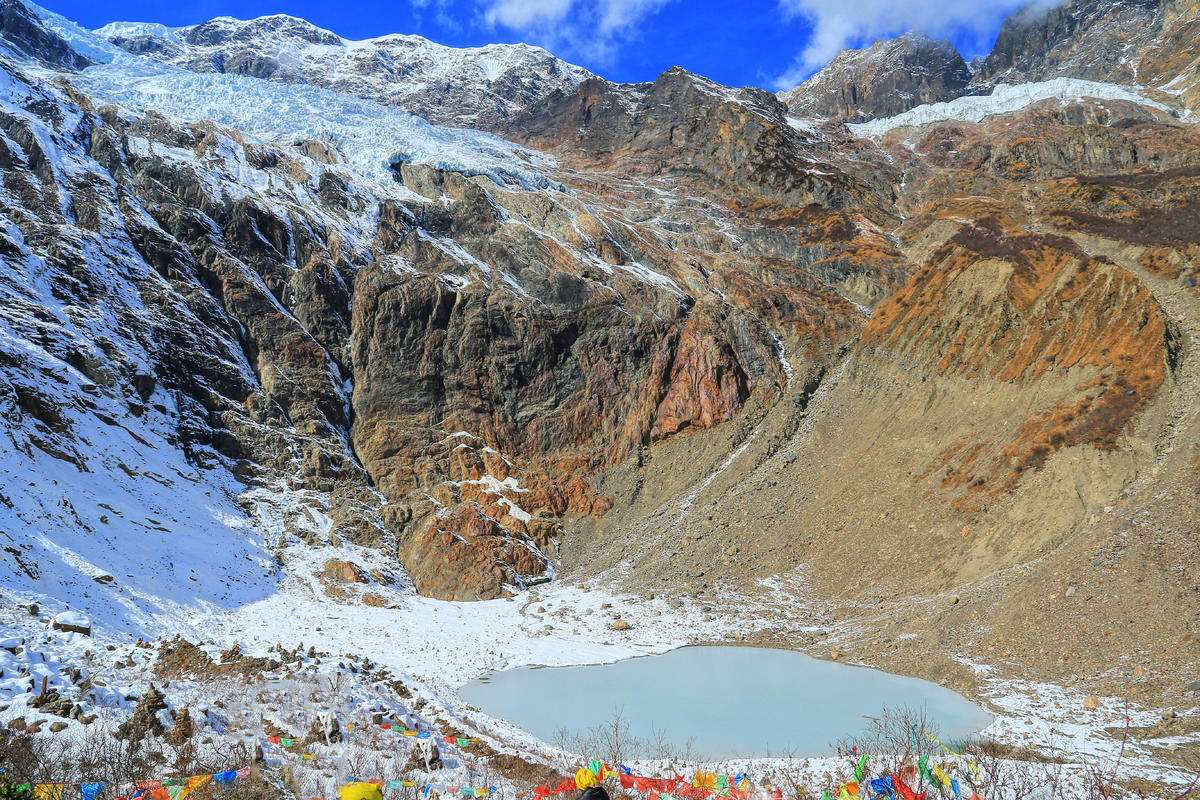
x,y
730,701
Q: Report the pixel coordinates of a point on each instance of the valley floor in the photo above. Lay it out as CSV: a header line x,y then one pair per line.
x,y
436,647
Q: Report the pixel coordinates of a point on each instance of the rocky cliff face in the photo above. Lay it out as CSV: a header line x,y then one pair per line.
x,y
444,360
478,87
885,79
1151,43
1092,39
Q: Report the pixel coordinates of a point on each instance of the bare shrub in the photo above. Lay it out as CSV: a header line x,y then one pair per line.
x,y
615,743
99,756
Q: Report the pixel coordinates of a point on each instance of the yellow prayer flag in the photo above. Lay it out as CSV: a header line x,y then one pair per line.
x,y
196,781
584,778
360,791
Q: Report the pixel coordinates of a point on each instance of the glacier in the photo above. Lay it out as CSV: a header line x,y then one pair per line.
x,y
1004,99
371,136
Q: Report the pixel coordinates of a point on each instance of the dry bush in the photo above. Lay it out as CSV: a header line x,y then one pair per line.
x,y
99,756
615,743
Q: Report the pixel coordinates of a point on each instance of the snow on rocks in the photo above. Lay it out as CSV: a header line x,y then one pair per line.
x,y
1005,99
1068,724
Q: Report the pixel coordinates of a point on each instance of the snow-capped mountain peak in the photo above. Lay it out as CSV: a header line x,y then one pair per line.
x,y
477,86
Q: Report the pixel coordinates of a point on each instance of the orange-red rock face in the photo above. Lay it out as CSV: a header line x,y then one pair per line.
x,y
467,555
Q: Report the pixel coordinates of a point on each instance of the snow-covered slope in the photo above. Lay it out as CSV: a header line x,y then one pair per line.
x,y
1006,99
91,440
476,87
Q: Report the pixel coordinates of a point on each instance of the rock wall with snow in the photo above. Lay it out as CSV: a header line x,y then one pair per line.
x,y
1145,44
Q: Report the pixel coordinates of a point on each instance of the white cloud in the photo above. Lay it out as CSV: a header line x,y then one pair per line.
x,y
617,15
524,15
837,24
593,28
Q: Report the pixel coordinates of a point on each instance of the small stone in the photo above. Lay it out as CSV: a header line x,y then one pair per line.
x,y
619,625
835,653
1091,702
1070,591
58,727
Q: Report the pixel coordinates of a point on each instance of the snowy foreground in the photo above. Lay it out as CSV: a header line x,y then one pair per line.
x,y
436,647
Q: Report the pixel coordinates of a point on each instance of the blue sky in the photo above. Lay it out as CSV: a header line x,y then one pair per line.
x,y
769,43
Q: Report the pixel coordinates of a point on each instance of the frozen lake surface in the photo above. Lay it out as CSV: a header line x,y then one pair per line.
x,y
728,701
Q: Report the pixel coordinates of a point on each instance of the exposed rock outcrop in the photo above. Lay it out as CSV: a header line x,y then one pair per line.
x,y
887,78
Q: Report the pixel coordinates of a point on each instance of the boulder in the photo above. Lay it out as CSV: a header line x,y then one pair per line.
x,y
72,622
345,572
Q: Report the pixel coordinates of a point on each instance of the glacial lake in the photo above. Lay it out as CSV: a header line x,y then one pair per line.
x,y
730,702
